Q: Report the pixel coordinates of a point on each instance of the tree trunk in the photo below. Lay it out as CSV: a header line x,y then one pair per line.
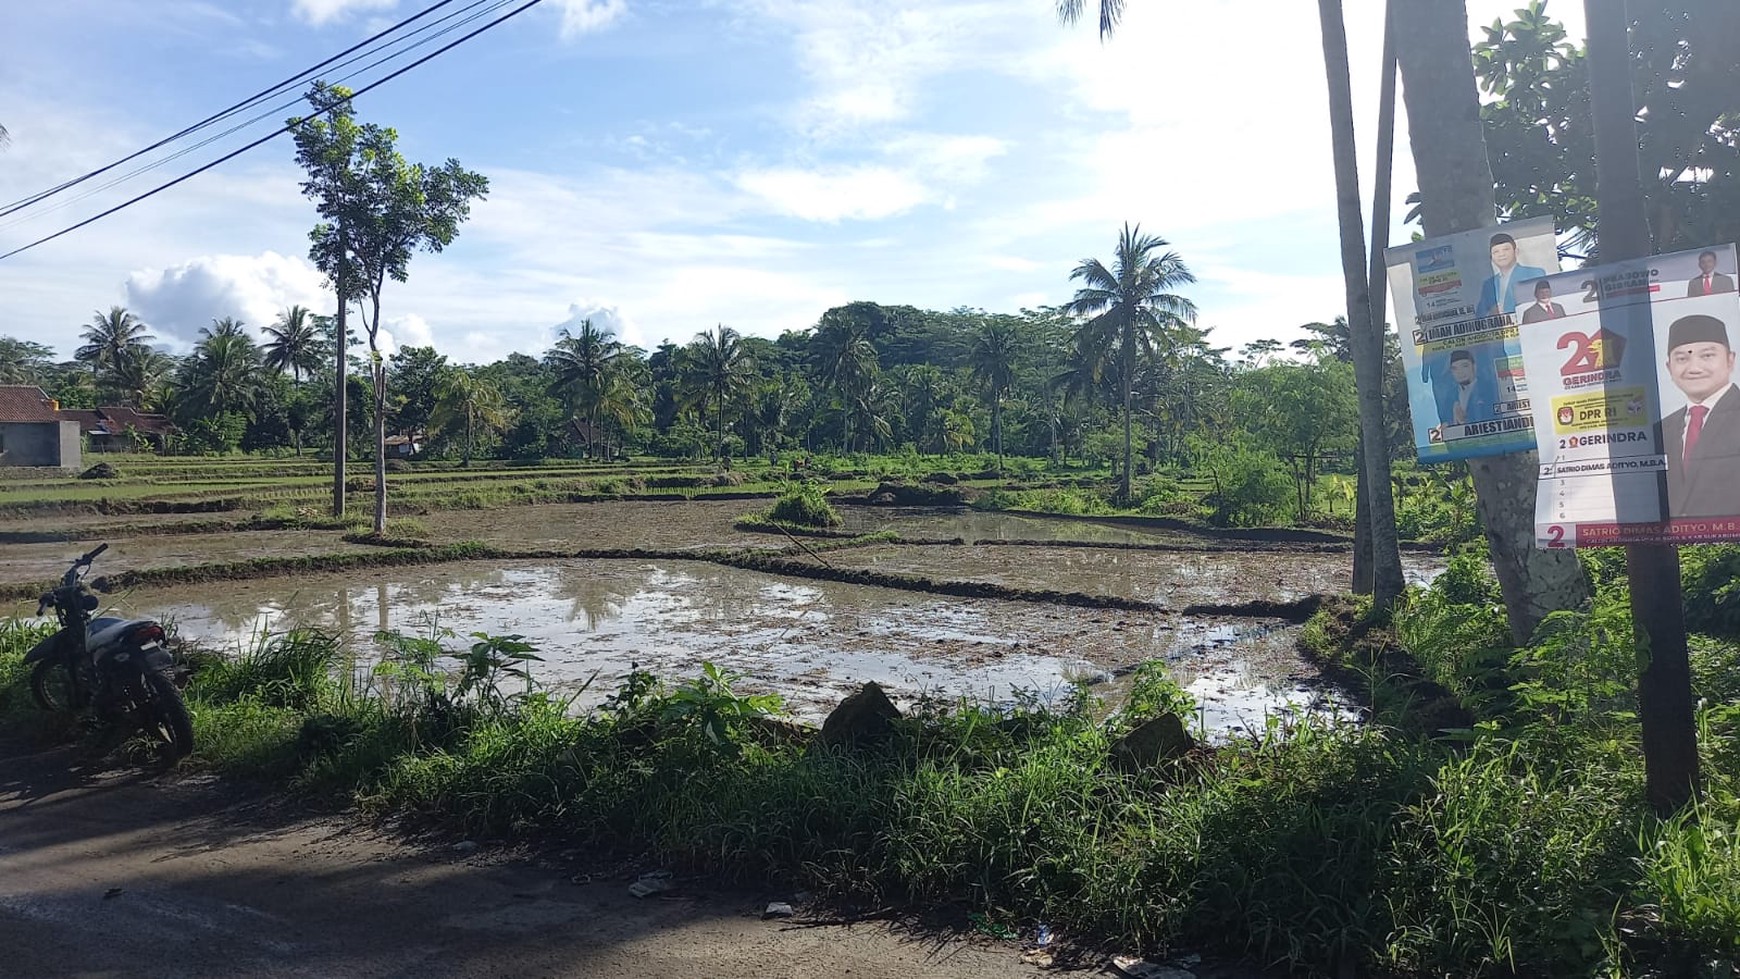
x,y
1456,191
339,446
1365,335
1129,368
468,430
1362,544
1665,704
380,445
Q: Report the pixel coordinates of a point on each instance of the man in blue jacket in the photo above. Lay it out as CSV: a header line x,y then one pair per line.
x,y
1496,295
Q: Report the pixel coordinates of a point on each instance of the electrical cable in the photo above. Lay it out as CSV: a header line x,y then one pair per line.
x,y
490,6
529,4
250,101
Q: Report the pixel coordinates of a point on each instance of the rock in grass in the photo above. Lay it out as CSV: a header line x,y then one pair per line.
x,y
1151,743
657,882
777,909
862,718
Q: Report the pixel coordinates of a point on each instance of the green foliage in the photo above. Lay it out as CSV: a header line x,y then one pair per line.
x,y
1436,508
804,504
1691,868
709,705
1250,487
295,670
1153,692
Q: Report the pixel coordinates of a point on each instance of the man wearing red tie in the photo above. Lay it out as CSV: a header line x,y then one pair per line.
x,y
1543,308
1709,281
1702,440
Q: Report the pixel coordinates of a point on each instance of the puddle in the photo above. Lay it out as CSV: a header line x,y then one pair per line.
x,y
605,525
1238,700
811,642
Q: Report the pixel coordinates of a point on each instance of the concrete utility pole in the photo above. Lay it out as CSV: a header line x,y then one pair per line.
x,y
1664,688
339,423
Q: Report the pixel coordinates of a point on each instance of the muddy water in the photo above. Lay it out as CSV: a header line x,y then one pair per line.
x,y
1170,579
42,562
809,641
971,525
678,524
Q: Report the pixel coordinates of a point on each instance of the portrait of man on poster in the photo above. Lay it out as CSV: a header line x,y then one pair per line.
x,y
1702,438
1543,308
1496,294
1708,281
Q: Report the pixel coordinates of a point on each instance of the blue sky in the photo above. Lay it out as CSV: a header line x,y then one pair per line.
x,y
663,166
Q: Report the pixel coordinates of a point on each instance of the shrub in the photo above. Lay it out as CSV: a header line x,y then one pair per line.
x,y
804,504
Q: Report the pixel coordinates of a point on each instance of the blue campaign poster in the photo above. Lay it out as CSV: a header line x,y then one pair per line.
x,y
1456,310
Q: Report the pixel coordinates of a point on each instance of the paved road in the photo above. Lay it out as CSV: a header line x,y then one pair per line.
x,y
106,874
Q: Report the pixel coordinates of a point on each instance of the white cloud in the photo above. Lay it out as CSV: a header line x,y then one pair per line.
x,y
604,316
179,300
861,193
405,330
960,159
585,16
318,12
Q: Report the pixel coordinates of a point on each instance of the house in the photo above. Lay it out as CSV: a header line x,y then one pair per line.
x,y
117,428
404,445
33,432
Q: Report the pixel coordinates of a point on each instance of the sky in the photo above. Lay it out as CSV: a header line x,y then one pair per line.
x,y
663,166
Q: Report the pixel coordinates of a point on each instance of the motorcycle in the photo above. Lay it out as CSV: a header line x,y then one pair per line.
x,y
116,668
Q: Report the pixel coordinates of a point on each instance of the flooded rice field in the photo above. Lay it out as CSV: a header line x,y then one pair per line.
x,y
1170,579
811,641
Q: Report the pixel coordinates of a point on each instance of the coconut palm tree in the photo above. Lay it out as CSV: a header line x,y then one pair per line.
x,y
221,376
846,360
584,364
293,343
996,347
140,378
721,368
228,326
1130,312
465,401
111,337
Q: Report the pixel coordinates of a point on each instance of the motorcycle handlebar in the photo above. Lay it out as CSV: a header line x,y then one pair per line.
x,y
88,558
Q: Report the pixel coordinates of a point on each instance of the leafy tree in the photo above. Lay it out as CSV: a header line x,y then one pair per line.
x,y
1302,412
466,402
139,379
24,362
413,377
293,343
1130,311
377,210
1685,71
845,360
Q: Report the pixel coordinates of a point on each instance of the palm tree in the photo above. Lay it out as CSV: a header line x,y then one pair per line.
x,y
584,365
293,343
140,377
1131,311
111,337
465,400
229,326
846,360
925,405
221,376
996,347
721,368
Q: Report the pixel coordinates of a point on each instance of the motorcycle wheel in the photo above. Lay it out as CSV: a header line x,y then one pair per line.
x,y
166,713
51,686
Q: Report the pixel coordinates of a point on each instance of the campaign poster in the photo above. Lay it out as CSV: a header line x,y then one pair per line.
x,y
1455,300
1635,404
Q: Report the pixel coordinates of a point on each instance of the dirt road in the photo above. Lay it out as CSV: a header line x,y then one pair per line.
x,y
115,874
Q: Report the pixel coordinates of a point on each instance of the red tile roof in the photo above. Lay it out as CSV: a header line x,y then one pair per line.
x,y
25,403
119,418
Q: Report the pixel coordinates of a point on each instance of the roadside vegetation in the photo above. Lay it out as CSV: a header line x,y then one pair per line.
x,y
1488,819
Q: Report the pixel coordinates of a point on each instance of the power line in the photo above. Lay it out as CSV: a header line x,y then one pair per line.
x,y
529,4
250,101
490,6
